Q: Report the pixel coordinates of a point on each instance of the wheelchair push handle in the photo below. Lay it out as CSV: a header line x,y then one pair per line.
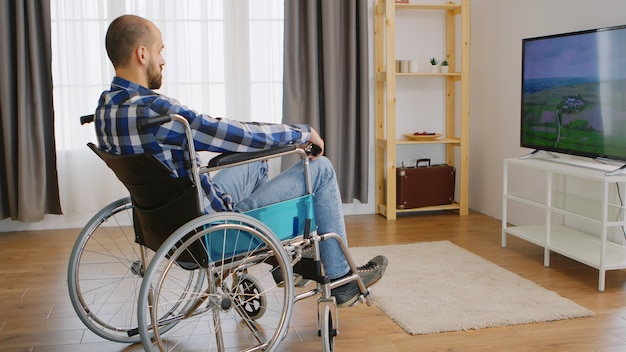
x,y
86,119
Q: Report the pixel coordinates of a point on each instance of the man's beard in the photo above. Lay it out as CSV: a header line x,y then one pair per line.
x,y
154,77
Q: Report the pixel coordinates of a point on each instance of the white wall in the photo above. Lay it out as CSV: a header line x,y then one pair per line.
x,y
498,27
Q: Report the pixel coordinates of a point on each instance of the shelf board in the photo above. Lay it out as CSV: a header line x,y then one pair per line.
x,y
585,207
431,74
584,169
452,206
431,141
535,199
382,208
382,76
535,234
382,143
447,7
574,205
573,244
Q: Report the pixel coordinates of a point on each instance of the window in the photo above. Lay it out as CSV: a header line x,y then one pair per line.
x,y
224,58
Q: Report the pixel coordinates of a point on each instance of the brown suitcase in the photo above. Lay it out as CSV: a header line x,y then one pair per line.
x,y
423,186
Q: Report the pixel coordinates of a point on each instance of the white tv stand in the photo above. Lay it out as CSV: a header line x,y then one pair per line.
x,y
563,205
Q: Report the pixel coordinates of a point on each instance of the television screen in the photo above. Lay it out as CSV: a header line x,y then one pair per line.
x,y
574,93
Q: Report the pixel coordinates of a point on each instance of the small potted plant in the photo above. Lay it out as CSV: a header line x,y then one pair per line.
x,y
444,66
433,65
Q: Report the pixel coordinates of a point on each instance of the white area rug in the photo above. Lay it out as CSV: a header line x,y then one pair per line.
x,y
434,287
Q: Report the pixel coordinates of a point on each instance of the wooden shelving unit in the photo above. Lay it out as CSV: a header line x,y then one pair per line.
x,y
456,136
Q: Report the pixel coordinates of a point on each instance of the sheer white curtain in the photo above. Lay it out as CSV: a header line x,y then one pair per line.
x,y
224,58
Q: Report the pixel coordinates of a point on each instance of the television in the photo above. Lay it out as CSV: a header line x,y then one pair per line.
x,y
574,94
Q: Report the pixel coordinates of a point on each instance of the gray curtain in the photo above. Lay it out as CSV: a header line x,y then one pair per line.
x,y
28,176
326,83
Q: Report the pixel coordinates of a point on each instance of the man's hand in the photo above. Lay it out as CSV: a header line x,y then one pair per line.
x,y
317,140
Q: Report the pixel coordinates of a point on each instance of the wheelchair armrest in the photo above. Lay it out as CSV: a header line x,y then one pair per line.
x,y
141,124
232,158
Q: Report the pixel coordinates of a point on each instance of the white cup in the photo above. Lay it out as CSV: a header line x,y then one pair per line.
x,y
404,66
413,66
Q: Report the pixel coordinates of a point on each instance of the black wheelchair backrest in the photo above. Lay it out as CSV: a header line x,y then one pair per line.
x,y
161,203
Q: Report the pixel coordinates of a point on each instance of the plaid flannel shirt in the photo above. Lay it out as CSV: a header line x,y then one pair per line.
x,y
116,128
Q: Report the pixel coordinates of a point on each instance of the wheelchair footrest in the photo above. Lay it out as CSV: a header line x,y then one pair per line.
x,y
310,269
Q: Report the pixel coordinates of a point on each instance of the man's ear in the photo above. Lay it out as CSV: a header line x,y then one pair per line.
x,y
141,55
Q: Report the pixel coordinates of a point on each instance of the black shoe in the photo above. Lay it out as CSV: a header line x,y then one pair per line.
x,y
370,274
373,270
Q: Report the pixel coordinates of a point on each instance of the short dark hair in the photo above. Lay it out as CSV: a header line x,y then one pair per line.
x,y
123,36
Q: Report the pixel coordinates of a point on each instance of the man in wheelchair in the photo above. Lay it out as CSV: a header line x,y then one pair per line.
x,y
134,46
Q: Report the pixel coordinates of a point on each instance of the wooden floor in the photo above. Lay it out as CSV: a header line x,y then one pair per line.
x,y
36,314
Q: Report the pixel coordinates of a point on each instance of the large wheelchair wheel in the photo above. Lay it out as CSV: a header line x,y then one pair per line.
x,y
239,306
105,271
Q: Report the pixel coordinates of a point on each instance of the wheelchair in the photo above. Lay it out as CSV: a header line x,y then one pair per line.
x,y
153,268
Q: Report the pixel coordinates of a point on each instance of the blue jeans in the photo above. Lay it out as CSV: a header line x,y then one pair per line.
x,y
250,188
